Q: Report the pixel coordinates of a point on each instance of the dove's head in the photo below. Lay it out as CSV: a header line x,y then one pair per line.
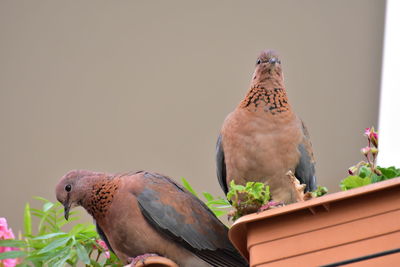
x,y
268,69
71,190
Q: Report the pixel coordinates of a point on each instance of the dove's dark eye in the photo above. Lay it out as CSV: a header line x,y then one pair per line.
x,y
68,187
258,61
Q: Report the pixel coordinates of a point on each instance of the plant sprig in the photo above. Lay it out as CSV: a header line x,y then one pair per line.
x,y
247,199
368,172
52,245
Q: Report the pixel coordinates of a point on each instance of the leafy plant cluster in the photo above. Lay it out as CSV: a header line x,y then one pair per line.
x,y
320,191
242,200
367,172
52,246
247,199
365,176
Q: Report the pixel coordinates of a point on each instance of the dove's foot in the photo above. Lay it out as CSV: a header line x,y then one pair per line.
x,y
141,258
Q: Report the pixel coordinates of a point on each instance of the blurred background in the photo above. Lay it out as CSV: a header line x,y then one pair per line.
x,y
115,86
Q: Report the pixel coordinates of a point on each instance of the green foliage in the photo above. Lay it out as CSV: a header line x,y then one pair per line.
x,y
189,187
320,191
389,173
247,199
52,246
253,192
366,176
352,181
365,173
217,205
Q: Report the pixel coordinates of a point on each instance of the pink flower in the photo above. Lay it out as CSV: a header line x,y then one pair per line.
x,y
372,135
374,139
367,132
365,150
6,233
104,246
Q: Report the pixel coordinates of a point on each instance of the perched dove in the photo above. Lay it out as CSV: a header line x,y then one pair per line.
x,y
143,213
263,139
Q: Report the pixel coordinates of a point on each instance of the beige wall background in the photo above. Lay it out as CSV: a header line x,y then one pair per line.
x,y
125,85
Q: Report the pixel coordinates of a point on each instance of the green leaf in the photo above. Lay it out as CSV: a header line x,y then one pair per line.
x,y
38,212
208,196
35,258
82,253
55,244
27,220
12,243
41,199
320,191
77,228
47,236
267,194
23,265
376,178
389,173
364,171
219,201
60,257
12,254
188,187
239,188
47,206
351,182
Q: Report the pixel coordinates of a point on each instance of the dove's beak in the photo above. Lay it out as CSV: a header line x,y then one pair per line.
x,y
66,211
67,206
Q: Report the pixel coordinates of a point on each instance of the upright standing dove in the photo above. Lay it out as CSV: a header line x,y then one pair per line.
x,y
143,213
263,139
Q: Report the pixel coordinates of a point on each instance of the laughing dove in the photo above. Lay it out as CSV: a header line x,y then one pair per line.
x,y
143,213
263,139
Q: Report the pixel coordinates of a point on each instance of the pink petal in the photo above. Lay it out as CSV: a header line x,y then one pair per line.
x,y
102,244
3,226
10,262
365,150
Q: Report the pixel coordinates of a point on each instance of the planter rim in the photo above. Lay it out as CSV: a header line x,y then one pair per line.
x,y
238,231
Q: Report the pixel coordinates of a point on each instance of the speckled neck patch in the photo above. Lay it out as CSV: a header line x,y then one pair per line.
x,y
270,100
101,197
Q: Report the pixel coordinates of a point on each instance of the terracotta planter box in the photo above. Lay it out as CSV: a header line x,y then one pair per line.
x,y
337,227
